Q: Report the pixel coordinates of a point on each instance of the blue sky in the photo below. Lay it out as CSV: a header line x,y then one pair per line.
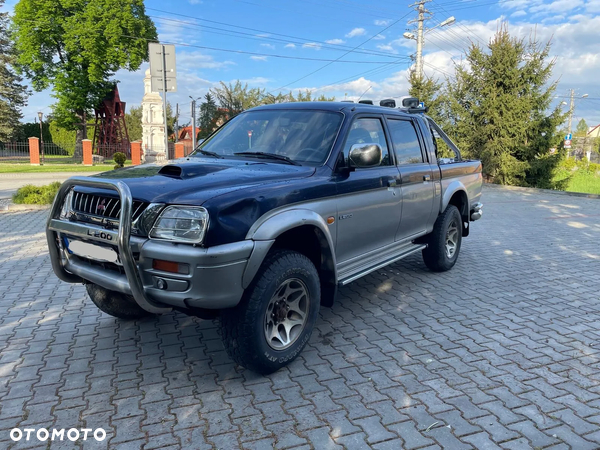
x,y
271,34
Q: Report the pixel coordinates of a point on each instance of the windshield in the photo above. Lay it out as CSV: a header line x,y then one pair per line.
x,y
303,136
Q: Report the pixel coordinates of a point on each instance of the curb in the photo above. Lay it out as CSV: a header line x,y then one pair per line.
x,y
13,207
541,191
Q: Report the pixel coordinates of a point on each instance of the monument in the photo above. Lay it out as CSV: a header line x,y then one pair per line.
x,y
153,128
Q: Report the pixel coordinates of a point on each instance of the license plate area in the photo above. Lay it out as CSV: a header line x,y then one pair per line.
x,y
91,251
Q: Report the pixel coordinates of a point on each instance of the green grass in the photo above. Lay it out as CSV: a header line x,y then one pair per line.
x,y
26,168
36,195
584,182
581,181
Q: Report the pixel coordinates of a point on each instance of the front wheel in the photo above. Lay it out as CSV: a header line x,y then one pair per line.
x,y
275,319
443,245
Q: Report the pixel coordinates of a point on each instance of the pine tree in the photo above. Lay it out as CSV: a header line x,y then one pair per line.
x,y
500,110
430,92
13,94
582,128
208,116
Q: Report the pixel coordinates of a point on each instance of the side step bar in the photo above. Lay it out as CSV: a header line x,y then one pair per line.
x,y
349,278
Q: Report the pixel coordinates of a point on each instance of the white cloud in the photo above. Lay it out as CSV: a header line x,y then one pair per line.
x,y
258,58
290,45
519,13
387,48
313,45
382,23
356,32
254,81
335,41
271,46
592,6
378,37
557,6
191,61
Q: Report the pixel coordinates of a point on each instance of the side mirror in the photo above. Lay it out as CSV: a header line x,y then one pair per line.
x,y
365,155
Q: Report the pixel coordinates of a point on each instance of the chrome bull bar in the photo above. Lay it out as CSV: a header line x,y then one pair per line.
x,y
54,225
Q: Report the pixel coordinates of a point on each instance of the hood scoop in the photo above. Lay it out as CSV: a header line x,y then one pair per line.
x,y
171,171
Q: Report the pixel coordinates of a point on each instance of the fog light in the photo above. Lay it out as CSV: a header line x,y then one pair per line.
x,y
161,284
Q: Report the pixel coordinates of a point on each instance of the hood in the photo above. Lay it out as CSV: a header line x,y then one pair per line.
x,y
195,180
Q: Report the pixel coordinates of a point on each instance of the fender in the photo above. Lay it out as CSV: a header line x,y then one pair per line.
x,y
453,188
271,225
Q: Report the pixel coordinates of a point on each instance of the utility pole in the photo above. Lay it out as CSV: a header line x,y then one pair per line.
x,y
193,123
571,108
420,26
423,15
176,122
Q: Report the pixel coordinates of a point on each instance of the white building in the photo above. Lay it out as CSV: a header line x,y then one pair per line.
x,y
153,127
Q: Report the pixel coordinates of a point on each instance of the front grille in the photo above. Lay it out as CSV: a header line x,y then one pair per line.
x,y
103,206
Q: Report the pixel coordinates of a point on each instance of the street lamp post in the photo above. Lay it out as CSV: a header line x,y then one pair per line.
x,y
41,116
571,109
421,31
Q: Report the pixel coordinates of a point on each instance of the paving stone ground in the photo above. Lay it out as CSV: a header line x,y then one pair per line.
x,y
503,351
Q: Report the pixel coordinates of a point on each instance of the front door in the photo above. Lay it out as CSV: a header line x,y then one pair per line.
x,y
369,200
418,188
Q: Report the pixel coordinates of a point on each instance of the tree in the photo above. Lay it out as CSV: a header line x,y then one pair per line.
x,y
235,98
499,110
133,121
13,94
76,46
582,128
208,116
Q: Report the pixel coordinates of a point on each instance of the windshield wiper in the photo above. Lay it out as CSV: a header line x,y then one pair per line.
x,y
269,155
209,153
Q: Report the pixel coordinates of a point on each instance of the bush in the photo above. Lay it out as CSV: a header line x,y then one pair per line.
x,y
120,159
36,195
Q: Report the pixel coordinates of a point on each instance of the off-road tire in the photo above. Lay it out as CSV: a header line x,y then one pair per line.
x,y
114,303
435,255
242,327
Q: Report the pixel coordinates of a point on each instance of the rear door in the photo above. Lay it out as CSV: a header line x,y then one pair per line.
x,y
416,177
369,200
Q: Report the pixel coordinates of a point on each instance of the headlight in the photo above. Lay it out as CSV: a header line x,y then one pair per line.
x,y
181,223
66,206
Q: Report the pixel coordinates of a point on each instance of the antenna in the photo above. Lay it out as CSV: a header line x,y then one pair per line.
x,y
361,96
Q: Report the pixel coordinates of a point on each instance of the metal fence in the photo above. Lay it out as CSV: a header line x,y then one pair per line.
x,y
14,152
107,151
56,153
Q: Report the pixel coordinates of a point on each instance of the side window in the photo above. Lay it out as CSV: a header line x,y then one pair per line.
x,y
405,141
367,131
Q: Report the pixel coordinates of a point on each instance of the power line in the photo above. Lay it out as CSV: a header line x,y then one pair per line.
x,y
460,25
296,40
358,46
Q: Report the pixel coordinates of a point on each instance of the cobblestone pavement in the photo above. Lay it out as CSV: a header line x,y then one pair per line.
x,y
500,352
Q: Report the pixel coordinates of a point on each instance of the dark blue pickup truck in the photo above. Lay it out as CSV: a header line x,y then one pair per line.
x,y
265,219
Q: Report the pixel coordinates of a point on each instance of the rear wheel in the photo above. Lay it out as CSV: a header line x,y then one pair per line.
x,y
443,245
114,303
275,319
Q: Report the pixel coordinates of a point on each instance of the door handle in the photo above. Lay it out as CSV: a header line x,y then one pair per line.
x,y
426,177
392,183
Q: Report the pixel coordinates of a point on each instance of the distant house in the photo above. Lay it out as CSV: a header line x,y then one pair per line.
x,y
594,132
185,134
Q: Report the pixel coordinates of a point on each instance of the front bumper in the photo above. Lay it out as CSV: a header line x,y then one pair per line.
x,y
214,278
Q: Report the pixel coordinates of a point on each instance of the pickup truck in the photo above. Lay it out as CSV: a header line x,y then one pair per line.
x,y
262,223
